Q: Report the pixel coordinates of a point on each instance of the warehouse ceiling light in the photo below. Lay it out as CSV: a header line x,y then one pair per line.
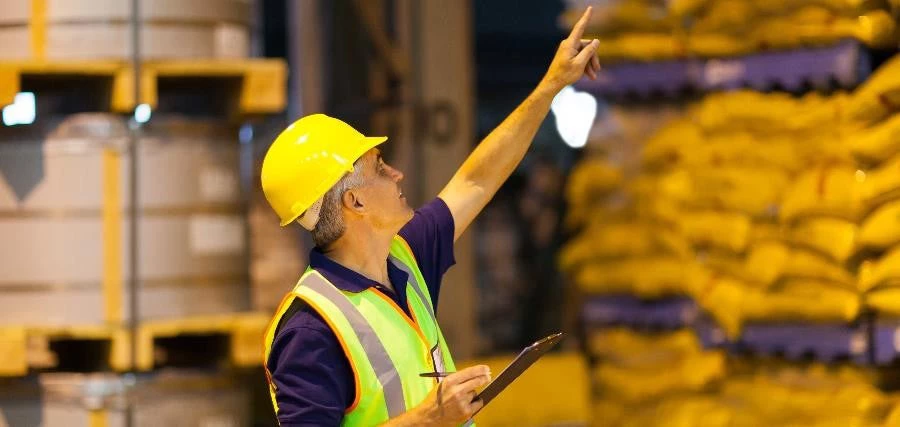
x,y
574,112
22,111
142,113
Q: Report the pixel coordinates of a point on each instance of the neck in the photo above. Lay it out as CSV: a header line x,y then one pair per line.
x,y
364,251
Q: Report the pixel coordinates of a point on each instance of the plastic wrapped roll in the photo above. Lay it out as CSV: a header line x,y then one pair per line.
x,y
882,184
881,229
833,237
830,191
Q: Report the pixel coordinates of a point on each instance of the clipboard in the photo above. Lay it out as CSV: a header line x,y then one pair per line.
x,y
521,363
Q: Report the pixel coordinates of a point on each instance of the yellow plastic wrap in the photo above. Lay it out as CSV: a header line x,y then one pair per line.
x,y
802,300
879,96
617,240
885,301
649,277
724,230
882,184
881,229
883,271
832,191
689,374
833,237
877,143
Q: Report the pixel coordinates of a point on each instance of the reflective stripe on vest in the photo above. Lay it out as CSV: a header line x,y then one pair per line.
x,y
385,370
386,348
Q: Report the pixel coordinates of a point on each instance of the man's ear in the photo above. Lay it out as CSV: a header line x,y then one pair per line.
x,y
353,200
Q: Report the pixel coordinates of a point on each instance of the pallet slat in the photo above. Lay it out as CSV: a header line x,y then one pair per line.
x,y
263,82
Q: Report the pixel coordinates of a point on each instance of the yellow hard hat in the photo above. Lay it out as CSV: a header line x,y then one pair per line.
x,y
306,160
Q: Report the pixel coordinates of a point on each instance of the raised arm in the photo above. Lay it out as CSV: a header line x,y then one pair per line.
x,y
495,158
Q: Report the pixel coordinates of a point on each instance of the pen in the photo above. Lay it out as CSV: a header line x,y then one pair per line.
x,y
436,374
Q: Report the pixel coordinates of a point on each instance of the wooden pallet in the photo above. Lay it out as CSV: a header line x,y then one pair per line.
x,y
259,86
235,340
24,349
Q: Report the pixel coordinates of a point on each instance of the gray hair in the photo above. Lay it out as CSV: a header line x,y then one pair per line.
x,y
330,226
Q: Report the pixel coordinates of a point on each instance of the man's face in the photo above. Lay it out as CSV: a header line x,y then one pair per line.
x,y
381,193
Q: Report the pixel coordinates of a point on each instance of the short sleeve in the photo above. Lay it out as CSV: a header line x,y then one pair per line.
x,y
430,236
313,380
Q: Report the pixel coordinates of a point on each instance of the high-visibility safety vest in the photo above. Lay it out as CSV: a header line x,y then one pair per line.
x,y
386,348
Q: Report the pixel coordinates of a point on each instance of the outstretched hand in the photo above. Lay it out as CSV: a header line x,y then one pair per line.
x,y
574,58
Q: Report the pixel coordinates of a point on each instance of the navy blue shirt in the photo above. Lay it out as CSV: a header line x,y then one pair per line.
x,y
313,379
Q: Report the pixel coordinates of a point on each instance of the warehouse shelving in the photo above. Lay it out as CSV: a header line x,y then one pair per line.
x,y
846,64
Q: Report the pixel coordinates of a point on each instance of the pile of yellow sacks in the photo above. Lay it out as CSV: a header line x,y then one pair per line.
x,y
634,367
667,380
754,204
653,30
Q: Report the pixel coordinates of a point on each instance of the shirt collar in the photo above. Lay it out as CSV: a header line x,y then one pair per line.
x,y
348,280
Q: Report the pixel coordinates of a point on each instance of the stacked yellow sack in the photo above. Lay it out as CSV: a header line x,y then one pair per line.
x,y
589,184
652,30
814,396
635,367
874,109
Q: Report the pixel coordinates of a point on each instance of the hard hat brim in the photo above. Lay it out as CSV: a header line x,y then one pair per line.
x,y
364,145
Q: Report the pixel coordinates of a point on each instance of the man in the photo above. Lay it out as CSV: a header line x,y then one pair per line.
x,y
350,343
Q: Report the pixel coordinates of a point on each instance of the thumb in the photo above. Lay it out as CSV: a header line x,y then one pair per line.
x,y
587,53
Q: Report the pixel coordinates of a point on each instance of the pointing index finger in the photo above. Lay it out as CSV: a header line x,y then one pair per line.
x,y
578,29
